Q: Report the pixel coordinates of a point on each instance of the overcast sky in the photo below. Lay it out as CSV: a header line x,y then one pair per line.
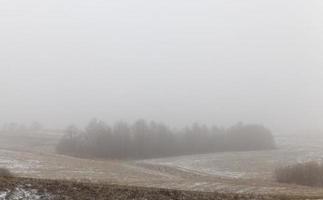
x,y
175,61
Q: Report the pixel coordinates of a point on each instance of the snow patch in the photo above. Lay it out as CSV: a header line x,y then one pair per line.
x,y
20,193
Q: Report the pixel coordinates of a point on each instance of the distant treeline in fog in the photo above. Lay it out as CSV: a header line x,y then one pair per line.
x,y
16,127
152,140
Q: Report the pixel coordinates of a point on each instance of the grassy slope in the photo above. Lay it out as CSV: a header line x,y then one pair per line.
x,y
61,189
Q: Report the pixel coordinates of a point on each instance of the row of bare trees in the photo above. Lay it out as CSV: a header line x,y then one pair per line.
x,y
151,140
16,127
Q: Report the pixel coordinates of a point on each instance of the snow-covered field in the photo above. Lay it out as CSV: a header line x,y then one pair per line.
x,y
252,164
242,172
17,163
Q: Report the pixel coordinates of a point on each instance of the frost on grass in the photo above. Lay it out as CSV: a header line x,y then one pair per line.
x,y
22,193
19,166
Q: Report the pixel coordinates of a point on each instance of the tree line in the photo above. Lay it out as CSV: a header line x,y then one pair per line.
x,y
144,139
16,127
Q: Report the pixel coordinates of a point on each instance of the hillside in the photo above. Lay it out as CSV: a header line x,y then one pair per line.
x,y
27,188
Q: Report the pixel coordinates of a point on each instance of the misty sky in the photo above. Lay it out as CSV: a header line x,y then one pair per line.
x,y
175,61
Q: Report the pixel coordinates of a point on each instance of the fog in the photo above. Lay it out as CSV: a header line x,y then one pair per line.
x,y
210,61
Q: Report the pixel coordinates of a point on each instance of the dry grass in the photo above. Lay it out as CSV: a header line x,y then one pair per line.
x,y
70,190
308,173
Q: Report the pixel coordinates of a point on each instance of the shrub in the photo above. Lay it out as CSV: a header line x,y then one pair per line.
x,y
308,173
5,173
249,137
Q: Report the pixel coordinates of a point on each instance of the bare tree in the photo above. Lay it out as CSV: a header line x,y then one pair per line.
x,y
150,140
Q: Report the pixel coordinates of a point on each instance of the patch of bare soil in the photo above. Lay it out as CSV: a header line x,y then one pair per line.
x,y
27,188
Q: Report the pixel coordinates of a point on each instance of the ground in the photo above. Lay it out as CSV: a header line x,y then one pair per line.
x,y
32,155
41,189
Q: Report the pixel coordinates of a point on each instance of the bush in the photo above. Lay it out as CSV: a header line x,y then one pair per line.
x,y
5,173
249,137
308,173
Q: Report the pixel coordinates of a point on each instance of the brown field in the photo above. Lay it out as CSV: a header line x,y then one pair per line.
x,y
32,155
27,188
